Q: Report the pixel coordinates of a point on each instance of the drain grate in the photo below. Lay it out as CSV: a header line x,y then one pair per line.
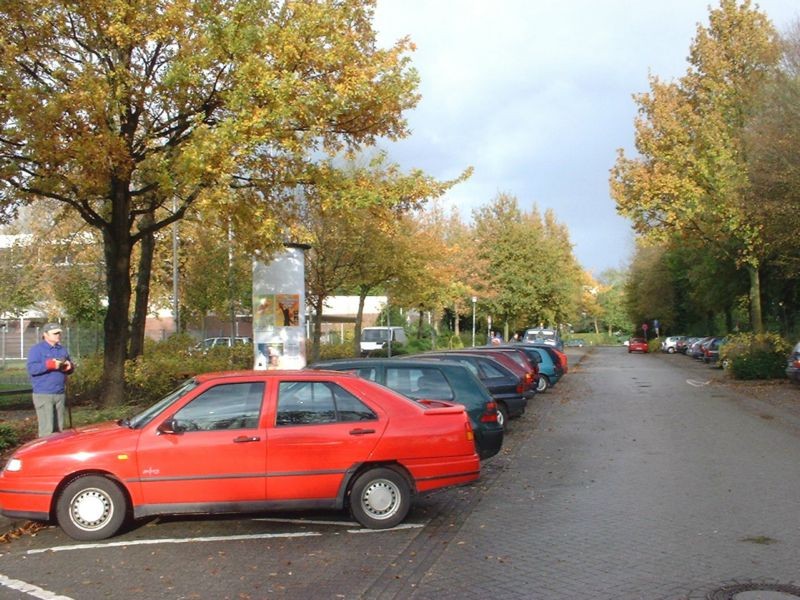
x,y
756,591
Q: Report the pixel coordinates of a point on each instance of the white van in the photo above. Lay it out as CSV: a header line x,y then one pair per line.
x,y
540,335
375,338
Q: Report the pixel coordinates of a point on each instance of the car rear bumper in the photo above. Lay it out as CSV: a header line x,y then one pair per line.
x,y
430,474
516,405
488,442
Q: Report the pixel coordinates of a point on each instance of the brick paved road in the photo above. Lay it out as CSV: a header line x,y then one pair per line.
x,y
632,483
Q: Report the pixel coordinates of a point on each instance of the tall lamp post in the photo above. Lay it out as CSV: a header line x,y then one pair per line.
x,y
474,303
389,326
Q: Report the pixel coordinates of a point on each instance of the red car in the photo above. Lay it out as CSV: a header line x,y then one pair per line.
x,y
637,345
245,442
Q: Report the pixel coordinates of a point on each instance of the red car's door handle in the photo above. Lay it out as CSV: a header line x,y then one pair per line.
x,y
242,439
361,431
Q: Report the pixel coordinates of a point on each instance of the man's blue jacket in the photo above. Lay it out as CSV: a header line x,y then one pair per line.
x,y
44,380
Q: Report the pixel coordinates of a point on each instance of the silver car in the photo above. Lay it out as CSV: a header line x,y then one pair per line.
x,y
793,364
670,344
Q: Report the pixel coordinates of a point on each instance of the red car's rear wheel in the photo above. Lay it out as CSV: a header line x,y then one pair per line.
x,y
380,498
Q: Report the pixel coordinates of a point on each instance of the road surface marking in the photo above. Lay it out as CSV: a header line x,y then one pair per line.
x,y
30,589
307,521
217,538
694,383
395,528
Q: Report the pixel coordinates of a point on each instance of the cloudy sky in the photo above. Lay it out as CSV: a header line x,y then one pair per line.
x,y
536,96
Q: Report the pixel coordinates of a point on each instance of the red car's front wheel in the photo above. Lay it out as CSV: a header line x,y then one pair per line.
x,y
91,508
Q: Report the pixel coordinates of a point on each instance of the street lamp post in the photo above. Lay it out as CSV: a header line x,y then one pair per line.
x,y
474,303
389,326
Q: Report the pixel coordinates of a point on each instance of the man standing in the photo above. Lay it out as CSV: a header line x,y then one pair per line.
x,y
48,366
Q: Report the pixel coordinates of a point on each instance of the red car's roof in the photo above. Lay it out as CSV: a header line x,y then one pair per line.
x,y
203,377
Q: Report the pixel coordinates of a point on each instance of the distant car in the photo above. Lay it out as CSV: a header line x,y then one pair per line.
x,y
513,357
575,343
543,336
711,351
793,365
550,371
433,380
637,345
697,349
222,342
377,338
246,441
671,344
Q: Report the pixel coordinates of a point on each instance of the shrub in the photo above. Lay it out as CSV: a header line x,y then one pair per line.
x,y
157,372
455,342
160,369
9,437
759,365
333,351
755,356
83,386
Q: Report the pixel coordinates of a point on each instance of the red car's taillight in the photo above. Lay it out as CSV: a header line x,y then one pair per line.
x,y
562,358
490,413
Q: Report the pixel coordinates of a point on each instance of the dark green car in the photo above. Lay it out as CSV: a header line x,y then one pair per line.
x,y
433,380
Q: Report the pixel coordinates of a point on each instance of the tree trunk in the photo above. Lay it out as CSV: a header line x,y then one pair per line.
x,y
316,336
756,321
363,292
456,324
142,295
117,249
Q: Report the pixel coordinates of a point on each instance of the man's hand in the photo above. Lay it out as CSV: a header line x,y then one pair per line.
x,y
53,364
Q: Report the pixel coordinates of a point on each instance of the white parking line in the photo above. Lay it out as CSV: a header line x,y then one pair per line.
x,y
395,528
218,538
30,589
694,383
307,521
227,538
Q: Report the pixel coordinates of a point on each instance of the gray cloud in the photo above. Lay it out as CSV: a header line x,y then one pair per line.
x,y
537,97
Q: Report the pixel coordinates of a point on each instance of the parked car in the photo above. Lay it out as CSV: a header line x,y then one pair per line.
x,y
693,350
637,345
507,387
377,338
697,349
575,343
550,371
433,380
514,358
244,442
793,364
680,345
559,356
222,342
543,336
686,346
711,350
670,344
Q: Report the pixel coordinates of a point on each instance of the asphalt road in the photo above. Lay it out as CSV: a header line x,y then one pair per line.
x,y
636,477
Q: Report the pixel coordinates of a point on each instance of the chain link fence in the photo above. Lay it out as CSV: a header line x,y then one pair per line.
x,y
18,335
